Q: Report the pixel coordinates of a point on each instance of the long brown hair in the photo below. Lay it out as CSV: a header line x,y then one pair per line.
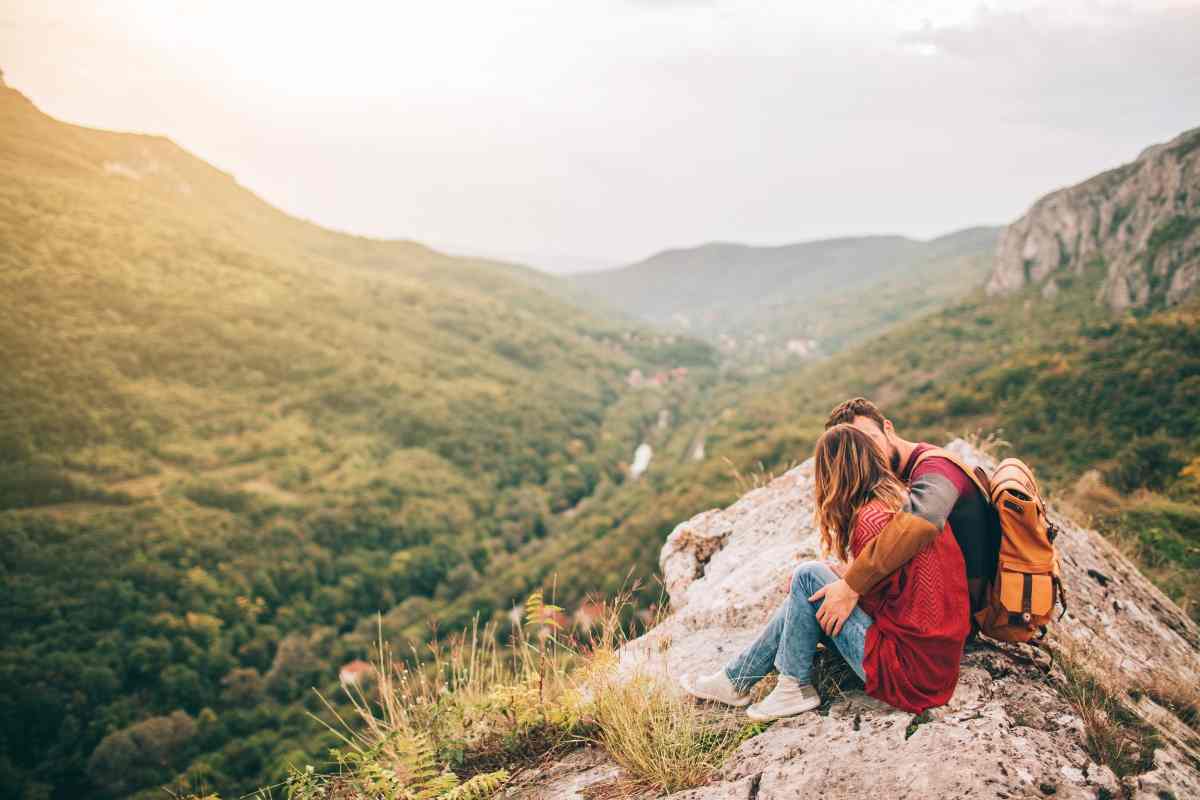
x,y
850,472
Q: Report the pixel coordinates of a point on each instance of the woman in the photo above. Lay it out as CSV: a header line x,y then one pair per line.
x,y
906,636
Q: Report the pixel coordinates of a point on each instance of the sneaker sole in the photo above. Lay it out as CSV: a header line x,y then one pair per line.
x,y
686,683
759,716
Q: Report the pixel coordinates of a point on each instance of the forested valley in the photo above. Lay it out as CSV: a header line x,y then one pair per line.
x,y
238,447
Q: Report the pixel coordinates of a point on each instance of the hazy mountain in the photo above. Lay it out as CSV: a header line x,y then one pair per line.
x,y
551,263
758,299
1139,223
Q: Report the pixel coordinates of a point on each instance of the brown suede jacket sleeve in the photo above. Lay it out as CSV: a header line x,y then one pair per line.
x,y
931,498
899,541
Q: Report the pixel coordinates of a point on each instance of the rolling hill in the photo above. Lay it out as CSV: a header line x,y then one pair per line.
x,y
819,296
229,437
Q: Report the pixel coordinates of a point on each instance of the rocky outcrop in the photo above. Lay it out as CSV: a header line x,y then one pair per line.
x,y
1008,732
1138,224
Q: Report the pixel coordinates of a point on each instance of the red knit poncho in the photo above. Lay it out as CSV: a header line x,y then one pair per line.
x,y
922,619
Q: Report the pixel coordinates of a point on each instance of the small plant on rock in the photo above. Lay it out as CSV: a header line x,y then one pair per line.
x,y
1113,734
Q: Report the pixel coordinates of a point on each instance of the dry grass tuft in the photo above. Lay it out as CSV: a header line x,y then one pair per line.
x,y
455,724
1177,696
832,676
990,444
1113,733
1091,497
459,723
666,741
757,477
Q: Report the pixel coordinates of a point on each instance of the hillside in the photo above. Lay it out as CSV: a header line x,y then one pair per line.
x,y
819,296
1141,219
229,437
1100,401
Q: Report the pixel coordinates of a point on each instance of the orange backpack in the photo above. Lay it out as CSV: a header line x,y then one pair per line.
x,y
1020,600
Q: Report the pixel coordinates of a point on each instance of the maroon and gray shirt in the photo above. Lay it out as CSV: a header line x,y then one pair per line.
x,y
940,492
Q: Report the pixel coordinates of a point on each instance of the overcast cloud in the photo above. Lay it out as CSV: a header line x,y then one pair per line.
x,y
585,132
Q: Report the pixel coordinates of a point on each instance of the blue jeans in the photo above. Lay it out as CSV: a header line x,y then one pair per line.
x,y
789,641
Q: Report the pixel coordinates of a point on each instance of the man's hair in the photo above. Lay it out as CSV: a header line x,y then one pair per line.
x,y
847,410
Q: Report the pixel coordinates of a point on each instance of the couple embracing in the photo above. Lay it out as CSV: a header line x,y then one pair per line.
x,y
909,531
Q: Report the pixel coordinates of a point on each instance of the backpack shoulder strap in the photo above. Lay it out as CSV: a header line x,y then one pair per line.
x,y
977,476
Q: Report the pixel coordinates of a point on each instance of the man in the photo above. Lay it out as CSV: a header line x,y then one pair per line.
x,y
939,491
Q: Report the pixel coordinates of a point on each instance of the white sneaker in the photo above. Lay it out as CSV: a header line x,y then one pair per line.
x,y
787,699
716,687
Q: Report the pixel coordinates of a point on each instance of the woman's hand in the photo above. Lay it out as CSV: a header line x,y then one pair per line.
x,y
838,602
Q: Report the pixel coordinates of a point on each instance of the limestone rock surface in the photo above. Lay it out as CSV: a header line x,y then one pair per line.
x,y
1008,732
1138,223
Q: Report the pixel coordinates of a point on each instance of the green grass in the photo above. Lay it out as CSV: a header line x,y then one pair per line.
x,y
1163,537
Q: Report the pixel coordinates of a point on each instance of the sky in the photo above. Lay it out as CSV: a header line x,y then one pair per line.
x,y
591,133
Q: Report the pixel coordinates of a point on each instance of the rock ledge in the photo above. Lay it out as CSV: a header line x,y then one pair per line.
x,y
1007,732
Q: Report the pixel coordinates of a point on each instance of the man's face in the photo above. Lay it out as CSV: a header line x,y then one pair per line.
x,y
890,454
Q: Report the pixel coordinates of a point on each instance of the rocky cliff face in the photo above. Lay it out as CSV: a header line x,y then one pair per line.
x,y
1008,731
1141,221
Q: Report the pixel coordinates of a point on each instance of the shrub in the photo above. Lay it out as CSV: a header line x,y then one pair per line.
x,y
1146,462
1173,230
666,741
456,725
450,730
27,485
215,496
143,754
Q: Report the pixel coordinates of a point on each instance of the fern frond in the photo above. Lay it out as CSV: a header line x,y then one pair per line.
x,y
539,612
438,786
533,608
479,787
416,755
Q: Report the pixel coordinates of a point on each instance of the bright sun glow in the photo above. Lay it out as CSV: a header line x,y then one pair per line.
x,y
606,128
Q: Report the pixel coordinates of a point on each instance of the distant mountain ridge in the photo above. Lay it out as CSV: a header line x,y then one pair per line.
x,y
1140,222
818,290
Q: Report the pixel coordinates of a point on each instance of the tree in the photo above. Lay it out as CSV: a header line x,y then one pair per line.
x,y
242,687
144,754
297,665
181,686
